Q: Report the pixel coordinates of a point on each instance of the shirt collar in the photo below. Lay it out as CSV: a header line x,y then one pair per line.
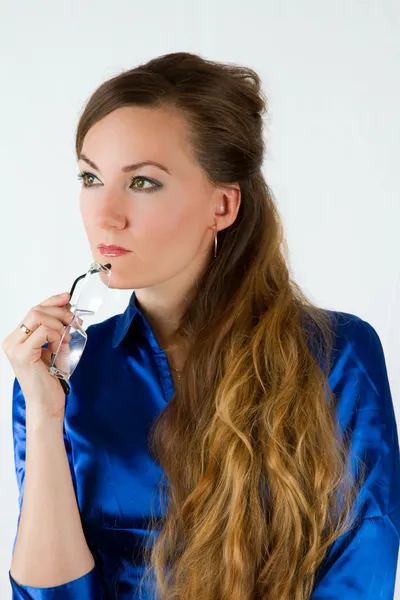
x,y
124,321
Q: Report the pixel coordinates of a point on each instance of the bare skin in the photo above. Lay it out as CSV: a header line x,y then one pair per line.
x,y
170,230
170,233
49,515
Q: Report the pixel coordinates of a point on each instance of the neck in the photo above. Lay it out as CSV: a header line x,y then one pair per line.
x,y
164,304
163,314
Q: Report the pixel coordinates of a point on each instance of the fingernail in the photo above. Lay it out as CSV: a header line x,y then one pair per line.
x,y
64,294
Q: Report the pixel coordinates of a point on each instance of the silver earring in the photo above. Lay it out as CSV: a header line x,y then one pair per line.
x,y
215,244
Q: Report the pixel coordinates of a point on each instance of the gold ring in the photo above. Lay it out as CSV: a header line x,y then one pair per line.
x,y
25,329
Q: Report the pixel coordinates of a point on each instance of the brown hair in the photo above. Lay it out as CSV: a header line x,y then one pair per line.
x,y
259,484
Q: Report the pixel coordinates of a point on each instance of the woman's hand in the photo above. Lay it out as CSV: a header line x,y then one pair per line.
x,y
30,362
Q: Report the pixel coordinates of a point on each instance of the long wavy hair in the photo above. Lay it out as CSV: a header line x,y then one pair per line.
x,y
257,474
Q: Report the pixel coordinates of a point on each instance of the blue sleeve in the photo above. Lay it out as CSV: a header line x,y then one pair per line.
x,y
361,564
88,586
84,588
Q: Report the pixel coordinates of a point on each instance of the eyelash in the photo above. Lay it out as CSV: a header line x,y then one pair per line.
x,y
156,185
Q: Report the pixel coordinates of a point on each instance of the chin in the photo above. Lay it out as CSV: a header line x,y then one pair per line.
x,y
119,285
118,280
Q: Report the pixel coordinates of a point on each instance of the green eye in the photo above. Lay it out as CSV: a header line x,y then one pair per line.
x,y
85,175
154,184
140,179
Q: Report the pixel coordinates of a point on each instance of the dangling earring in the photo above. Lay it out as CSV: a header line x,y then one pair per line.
x,y
215,244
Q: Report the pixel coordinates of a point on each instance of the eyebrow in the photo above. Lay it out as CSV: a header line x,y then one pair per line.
x,y
128,168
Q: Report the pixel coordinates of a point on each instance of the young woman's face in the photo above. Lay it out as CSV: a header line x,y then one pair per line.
x,y
164,217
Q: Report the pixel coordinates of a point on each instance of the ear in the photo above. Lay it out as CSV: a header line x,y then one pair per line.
x,y
226,203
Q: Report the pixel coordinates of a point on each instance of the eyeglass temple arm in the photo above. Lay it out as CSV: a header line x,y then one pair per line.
x,y
108,265
64,386
74,284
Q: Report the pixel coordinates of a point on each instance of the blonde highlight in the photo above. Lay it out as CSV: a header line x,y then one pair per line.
x,y
257,483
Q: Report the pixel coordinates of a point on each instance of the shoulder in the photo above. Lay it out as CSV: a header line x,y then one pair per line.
x,y
358,357
352,329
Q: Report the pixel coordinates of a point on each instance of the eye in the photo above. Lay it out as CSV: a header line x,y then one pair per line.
x,y
86,177
154,184
83,177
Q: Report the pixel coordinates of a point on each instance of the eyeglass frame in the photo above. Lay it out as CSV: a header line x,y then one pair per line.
x,y
64,384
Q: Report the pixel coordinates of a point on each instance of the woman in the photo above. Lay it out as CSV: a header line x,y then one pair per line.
x,y
223,431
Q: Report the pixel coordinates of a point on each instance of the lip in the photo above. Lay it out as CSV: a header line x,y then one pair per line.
x,y
112,250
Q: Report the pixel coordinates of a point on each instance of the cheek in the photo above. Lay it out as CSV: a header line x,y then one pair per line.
x,y
152,232
88,217
173,233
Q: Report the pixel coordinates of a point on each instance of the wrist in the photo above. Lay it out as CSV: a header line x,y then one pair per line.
x,y
38,416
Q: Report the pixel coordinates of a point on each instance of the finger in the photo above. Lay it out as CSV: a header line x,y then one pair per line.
x,y
31,350
47,353
62,313
33,320
57,300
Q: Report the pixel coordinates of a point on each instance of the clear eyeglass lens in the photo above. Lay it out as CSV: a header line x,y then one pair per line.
x,y
87,298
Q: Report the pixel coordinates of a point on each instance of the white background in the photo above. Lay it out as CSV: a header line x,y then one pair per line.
x,y
331,71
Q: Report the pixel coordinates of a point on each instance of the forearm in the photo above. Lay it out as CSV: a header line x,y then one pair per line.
x,y
50,548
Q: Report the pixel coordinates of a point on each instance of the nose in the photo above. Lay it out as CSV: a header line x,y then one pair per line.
x,y
110,212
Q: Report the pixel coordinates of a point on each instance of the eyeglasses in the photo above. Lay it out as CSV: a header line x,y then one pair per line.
x,y
86,296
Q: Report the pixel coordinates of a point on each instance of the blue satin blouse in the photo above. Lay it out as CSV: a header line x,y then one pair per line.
x,y
121,385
